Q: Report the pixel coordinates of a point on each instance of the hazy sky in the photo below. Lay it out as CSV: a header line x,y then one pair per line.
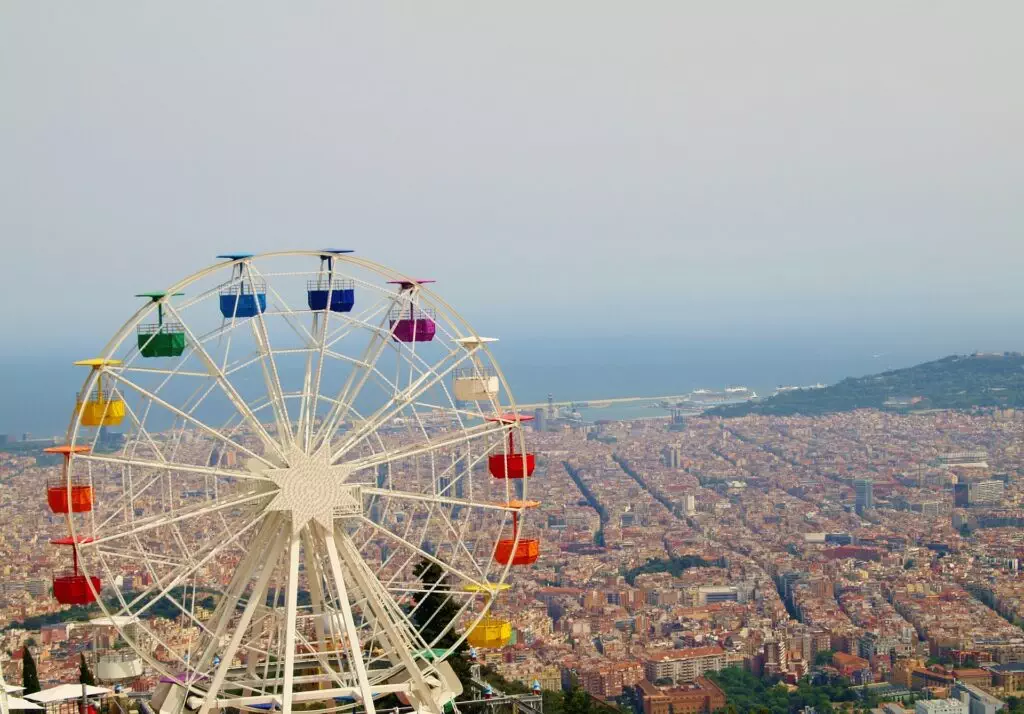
x,y
618,167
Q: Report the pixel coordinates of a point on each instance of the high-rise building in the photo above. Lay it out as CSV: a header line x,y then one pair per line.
x,y
671,456
382,482
865,495
775,657
540,420
689,504
978,493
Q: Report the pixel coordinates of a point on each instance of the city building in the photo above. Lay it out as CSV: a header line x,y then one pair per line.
x,y
975,459
606,681
701,696
940,706
684,665
978,493
1008,676
865,495
977,700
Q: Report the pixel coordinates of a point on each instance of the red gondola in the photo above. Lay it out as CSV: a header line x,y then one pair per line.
x,y
74,588
511,464
57,489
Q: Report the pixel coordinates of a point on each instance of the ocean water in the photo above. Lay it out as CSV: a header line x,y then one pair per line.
x,y
38,391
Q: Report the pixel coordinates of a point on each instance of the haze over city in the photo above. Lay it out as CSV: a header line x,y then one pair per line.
x,y
576,169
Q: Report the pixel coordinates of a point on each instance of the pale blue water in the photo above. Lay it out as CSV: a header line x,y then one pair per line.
x,y
38,392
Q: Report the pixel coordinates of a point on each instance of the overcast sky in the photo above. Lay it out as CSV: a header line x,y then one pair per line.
x,y
627,167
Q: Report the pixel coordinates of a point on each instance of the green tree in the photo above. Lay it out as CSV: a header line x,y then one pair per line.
x,y
29,676
823,658
84,675
434,612
577,701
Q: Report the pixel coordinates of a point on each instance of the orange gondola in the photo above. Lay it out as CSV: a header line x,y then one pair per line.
x,y
524,551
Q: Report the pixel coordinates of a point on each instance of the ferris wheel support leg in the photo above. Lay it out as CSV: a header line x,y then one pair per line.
x,y
355,650
290,621
226,608
316,594
243,624
398,644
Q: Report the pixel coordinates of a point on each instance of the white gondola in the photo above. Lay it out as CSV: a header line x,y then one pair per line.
x,y
475,383
119,665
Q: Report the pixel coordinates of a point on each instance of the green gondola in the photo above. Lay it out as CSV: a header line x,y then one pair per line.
x,y
160,339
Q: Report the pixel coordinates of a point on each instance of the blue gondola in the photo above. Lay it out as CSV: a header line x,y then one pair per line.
x,y
340,293
242,297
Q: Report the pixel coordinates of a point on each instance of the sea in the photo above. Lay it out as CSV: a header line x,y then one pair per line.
x,y
38,391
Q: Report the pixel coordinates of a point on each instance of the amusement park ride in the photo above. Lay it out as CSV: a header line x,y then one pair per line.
x,y
284,480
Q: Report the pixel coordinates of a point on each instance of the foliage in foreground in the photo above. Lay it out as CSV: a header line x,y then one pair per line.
x,y
747,694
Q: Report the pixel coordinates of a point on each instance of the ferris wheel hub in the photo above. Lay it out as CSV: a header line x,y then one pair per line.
x,y
310,488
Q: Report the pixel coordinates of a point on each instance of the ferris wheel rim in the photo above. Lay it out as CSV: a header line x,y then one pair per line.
x,y
448,313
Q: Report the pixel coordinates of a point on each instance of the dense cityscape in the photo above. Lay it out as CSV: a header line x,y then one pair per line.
x,y
512,358
877,549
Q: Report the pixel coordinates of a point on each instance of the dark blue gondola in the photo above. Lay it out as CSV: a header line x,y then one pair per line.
x,y
340,293
244,298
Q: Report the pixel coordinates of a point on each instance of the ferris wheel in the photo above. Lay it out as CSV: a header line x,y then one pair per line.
x,y
301,477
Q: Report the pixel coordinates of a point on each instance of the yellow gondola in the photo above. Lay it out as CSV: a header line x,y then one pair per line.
x,y
490,632
99,407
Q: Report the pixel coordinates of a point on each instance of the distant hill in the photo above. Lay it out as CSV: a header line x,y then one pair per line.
x,y
955,382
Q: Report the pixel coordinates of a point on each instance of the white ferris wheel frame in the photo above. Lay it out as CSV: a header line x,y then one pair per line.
x,y
336,557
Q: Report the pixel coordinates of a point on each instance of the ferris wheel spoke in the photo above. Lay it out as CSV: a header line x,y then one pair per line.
x,y
400,402
398,637
271,376
307,405
185,416
415,549
259,589
312,387
394,455
438,500
229,390
139,426
354,383
265,537
169,466
166,519
178,576
141,553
